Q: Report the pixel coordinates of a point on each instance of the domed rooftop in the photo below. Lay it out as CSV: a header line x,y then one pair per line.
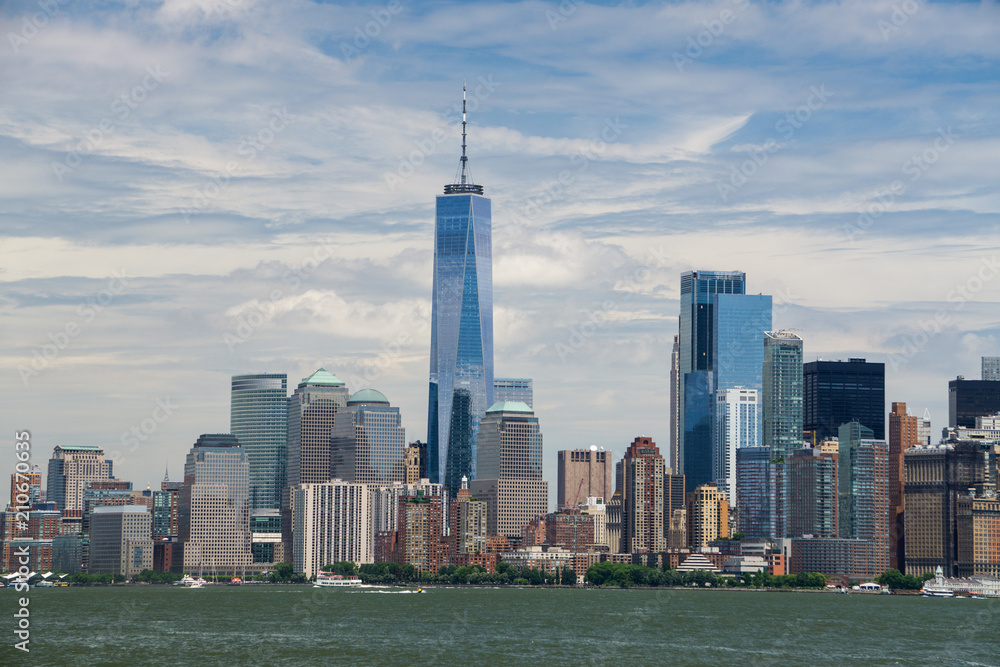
x,y
368,396
323,377
510,406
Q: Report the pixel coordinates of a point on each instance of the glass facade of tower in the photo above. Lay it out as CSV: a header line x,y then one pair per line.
x,y
368,442
697,449
258,417
461,372
838,392
782,393
739,325
514,390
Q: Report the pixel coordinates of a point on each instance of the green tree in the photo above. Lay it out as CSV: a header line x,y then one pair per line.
x,y
567,577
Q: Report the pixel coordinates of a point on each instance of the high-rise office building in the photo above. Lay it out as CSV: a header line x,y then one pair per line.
x,y
70,468
968,399
26,487
468,522
903,434
991,369
514,390
415,461
120,540
739,323
781,400
736,423
461,369
761,491
332,522
368,444
510,469
675,391
213,525
837,392
695,353
582,474
812,493
104,493
863,490
698,450
707,516
166,504
258,417
936,478
642,475
312,412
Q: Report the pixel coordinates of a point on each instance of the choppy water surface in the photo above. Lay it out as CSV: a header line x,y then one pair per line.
x,y
297,625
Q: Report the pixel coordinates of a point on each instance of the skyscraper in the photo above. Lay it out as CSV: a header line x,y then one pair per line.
x,y
707,516
258,417
120,541
736,427
312,411
461,369
510,469
812,493
514,390
675,391
968,399
863,490
368,444
903,434
642,524
332,522
214,522
782,393
991,369
582,474
70,468
695,353
837,392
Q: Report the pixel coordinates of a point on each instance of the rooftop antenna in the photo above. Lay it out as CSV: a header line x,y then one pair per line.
x,y
166,472
465,184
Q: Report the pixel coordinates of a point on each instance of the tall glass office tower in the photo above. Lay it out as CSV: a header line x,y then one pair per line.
x,y
782,393
461,373
258,417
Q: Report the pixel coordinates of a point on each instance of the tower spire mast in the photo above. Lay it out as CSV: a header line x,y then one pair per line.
x,y
465,184
465,159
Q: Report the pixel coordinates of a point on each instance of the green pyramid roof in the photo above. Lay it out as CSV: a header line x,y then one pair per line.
x,y
509,406
323,377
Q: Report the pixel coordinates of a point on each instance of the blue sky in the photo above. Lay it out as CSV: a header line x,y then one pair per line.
x,y
257,172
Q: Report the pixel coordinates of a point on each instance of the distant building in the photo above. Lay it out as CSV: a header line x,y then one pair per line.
x,y
707,515
581,474
736,422
266,545
812,500
753,493
120,540
863,490
368,442
571,529
781,399
258,417
415,462
642,523
25,488
166,509
103,493
385,501
841,557
509,465
213,526
468,522
514,390
978,524
332,522
420,538
838,392
70,468
968,399
991,369
312,411
675,390
903,434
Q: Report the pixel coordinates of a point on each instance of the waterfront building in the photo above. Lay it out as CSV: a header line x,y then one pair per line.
x,y
312,411
642,523
978,524
736,422
461,355
707,515
102,493
166,509
25,488
903,434
935,478
991,369
571,529
781,400
812,499
385,501
368,442
213,522
121,540
468,522
841,557
510,468
581,474
421,539
838,392
753,470
70,468
514,390
695,354
266,545
258,417
332,522
598,510
968,399
613,522
863,490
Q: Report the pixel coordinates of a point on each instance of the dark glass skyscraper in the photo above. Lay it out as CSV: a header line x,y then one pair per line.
x,y
258,417
839,392
461,373
968,399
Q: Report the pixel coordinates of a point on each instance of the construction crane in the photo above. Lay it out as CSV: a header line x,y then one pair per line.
x,y
576,502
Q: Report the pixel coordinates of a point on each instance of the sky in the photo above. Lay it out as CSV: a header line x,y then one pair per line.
x,y
192,189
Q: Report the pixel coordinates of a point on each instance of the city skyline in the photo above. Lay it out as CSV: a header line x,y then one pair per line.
x,y
586,287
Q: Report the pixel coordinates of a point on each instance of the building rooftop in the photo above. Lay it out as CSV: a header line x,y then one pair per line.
x,y
510,406
121,509
368,396
324,378
80,448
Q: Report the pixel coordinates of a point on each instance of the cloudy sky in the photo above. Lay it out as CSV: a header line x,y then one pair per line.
x,y
192,189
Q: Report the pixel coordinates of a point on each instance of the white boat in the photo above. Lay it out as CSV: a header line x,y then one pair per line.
x,y
938,588
329,580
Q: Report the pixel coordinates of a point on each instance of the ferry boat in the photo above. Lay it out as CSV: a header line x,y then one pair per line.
x,y
937,588
329,580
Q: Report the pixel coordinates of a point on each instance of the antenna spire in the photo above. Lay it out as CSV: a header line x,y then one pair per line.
x,y
465,184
